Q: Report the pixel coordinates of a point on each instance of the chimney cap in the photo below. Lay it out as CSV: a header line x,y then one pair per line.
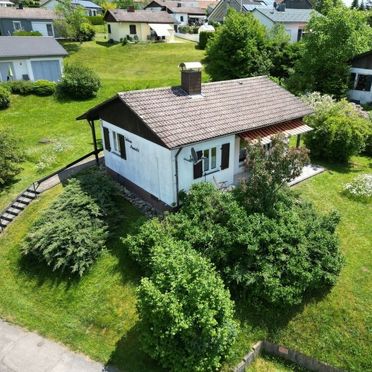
x,y
190,66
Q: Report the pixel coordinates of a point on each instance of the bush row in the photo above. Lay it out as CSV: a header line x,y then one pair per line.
x,y
188,29
72,233
26,33
26,87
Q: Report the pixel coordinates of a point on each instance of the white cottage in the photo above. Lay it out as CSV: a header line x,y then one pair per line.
x,y
161,141
361,78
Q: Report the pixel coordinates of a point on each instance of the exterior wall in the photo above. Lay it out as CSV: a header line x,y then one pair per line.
x,y
7,29
120,30
23,66
185,168
177,17
149,168
360,95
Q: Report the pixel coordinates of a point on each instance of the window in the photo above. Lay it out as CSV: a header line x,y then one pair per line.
x,y
109,29
116,141
352,80
106,137
119,144
132,29
225,156
49,29
17,25
207,162
181,18
242,155
299,34
364,82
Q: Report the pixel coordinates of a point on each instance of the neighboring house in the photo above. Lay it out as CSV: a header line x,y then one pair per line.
x,y
30,58
6,4
141,25
161,141
294,20
361,78
182,13
27,19
91,9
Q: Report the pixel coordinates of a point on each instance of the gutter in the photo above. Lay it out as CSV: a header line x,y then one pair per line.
x,y
177,181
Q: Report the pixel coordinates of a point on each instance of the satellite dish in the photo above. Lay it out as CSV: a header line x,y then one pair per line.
x,y
194,155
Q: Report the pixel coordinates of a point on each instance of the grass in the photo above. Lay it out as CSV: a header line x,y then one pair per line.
x,y
269,363
33,119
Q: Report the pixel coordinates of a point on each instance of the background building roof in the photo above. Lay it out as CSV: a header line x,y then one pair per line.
x,y
287,16
27,13
30,46
146,16
86,4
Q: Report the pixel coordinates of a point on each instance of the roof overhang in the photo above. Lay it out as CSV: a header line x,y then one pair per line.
x,y
288,128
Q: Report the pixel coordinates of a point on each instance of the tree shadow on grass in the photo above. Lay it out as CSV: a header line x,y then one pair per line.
x,y
106,44
343,168
129,356
71,48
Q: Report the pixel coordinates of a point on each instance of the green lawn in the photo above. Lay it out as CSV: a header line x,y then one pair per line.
x,y
33,119
269,363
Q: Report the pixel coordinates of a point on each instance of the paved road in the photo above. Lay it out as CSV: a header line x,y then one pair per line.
x,y
23,351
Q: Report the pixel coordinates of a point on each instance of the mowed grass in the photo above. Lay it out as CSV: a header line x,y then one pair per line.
x,y
46,128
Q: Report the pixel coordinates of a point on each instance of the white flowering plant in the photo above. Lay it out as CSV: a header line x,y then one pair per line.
x,y
360,187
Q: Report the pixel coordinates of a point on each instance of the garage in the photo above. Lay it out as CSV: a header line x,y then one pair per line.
x,y
46,70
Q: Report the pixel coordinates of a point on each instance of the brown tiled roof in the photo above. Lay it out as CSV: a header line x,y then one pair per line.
x,y
145,16
27,13
225,107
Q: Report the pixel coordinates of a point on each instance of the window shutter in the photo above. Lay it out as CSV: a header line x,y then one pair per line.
x,y
225,155
198,167
106,135
123,153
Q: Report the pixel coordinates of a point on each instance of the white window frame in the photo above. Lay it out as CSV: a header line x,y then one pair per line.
x,y
17,23
115,142
209,161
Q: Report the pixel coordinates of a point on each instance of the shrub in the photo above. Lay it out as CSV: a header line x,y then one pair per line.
x,y
10,157
27,33
186,313
43,88
203,38
4,98
360,187
78,82
86,32
339,129
96,20
21,87
72,233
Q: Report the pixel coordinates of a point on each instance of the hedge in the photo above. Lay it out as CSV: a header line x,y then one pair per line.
x,y
203,38
96,20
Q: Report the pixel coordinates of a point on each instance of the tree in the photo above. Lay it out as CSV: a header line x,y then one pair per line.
x,y
10,158
269,173
186,313
325,6
324,65
238,48
355,4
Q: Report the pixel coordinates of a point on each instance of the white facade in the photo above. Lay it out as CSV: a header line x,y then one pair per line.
x,y
45,28
20,68
153,167
360,93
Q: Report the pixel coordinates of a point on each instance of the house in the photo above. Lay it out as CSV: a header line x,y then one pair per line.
x,y
361,78
30,58
161,141
91,9
6,4
182,13
27,19
141,25
219,12
294,20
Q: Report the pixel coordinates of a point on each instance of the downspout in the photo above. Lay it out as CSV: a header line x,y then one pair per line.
x,y
177,181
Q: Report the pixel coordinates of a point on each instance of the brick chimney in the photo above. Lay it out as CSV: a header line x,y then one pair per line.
x,y
191,77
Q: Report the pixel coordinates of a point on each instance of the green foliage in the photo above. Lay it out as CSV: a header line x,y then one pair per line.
x,y
43,88
269,173
72,233
26,33
339,129
96,20
204,36
238,48
326,6
78,82
324,65
87,32
21,87
10,157
4,98
186,313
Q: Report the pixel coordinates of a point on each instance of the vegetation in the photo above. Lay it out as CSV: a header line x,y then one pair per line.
x,y
96,20
4,98
326,6
72,233
25,87
340,129
186,314
78,82
43,88
324,66
26,33
360,187
204,36
10,157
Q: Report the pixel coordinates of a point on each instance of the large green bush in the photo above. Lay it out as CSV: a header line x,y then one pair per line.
x,y
78,82
10,157
204,36
96,20
43,88
72,233
4,98
21,87
87,32
186,313
339,129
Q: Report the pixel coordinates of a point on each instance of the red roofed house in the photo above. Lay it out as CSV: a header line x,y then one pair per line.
x,y
161,141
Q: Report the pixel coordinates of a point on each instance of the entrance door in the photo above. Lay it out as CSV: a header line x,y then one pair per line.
x,y
46,70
